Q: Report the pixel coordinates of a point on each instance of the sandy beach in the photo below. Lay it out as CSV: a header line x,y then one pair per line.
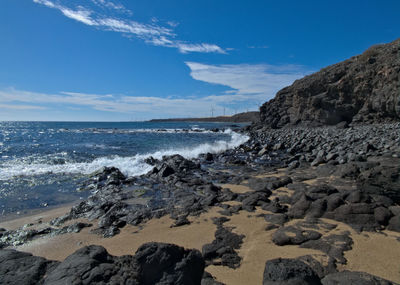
x,y
372,252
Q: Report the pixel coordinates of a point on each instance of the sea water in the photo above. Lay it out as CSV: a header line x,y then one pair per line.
x,y
43,163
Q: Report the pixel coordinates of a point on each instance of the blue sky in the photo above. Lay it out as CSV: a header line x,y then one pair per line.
x,y
120,60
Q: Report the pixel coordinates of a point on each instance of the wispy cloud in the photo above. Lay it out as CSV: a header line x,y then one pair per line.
x,y
123,106
146,107
112,5
205,48
173,24
258,47
247,82
153,33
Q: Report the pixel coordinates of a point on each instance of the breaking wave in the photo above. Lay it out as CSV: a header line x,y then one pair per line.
x,y
131,166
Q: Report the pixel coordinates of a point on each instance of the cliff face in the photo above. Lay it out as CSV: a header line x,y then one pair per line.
x,y
362,89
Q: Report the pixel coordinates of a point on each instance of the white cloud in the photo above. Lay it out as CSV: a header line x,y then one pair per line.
x,y
143,107
260,81
79,15
205,48
249,86
173,24
258,47
132,27
112,5
150,33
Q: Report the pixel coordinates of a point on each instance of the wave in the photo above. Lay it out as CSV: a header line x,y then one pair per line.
x,y
130,166
193,130
98,146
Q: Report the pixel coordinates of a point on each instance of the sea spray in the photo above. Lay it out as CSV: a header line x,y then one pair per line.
x,y
131,165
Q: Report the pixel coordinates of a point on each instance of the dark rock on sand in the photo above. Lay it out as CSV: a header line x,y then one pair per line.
x,y
294,235
268,183
333,245
93,265
180,221
278,219
354,278
299,208
358,215
153,263
223,247
252,199
208,279
394,224
289,271
169,264
22,268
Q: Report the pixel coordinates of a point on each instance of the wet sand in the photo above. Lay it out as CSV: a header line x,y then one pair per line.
x,y
13,222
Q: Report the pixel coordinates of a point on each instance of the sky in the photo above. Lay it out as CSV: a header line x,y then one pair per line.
x,y
128,60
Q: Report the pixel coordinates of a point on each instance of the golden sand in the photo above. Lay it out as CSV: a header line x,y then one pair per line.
x,y
256,249
237,188
195,235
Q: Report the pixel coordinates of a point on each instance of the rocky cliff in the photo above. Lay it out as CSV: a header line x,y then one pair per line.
x,y
362,89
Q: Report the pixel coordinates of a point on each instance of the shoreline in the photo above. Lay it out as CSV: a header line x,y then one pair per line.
x,y
14,217
14,221
263,204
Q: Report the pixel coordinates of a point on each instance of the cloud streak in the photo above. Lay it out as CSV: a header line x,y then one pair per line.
x,y
113,6
21,107
253,82
151,33
146,107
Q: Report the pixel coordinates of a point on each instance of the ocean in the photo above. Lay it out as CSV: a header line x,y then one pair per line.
x,y
42,164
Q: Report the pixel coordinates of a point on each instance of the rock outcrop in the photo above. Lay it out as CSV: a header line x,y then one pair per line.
x,y
362,89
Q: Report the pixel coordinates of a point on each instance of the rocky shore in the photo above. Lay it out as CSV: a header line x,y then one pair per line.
x,y
304,183
298,204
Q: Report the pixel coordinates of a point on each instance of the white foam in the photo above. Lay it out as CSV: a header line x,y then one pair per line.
x,y
192,130
130,166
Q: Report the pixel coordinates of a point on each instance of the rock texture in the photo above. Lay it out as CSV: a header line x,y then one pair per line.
x,y
364,88
289,271
282,271
153,263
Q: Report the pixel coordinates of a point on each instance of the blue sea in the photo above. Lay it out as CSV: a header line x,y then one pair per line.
x,y
42,164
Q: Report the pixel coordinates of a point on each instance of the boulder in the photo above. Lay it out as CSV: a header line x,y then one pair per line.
x,y
289,271
354,278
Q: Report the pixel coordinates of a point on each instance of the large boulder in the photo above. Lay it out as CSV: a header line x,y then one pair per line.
x,y
153,263
93,265
289,271
22,268
169,264
353,277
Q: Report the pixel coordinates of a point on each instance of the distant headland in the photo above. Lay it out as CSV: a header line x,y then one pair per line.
x,y
245,117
